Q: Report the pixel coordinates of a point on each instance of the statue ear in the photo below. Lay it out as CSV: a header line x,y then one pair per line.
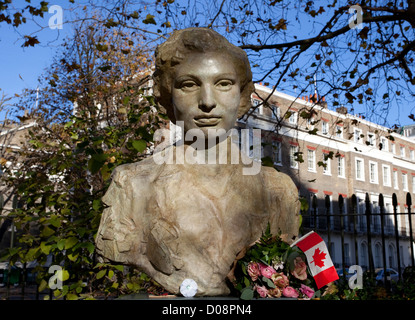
x,y
163,98
246,104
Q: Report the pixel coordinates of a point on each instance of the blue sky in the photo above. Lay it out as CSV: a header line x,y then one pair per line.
x,y
21,67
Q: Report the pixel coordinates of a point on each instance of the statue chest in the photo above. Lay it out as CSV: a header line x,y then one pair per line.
x,y
210,218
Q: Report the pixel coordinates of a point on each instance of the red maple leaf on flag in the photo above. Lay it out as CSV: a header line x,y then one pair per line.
x,y
318,258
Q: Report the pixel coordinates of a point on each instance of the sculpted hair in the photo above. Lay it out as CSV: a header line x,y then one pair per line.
x,y
197,40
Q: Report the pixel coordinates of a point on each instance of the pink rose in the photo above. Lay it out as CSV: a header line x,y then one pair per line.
x,y
263,292
300,269
307,291
253,270
290,292
280,280
266,271
274,293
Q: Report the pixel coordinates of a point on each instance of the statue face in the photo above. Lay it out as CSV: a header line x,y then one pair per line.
x,y
206,92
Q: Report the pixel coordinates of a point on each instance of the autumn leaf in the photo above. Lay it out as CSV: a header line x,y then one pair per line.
x,y
149,19
30,41
318,258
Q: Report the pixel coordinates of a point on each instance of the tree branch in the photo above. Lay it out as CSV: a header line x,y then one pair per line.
x,y
214,18
321,38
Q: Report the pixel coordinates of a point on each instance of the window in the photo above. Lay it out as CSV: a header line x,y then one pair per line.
x,y
346,224
346,254
328,200
383,144
340,166
332,251
360,173
363,254
412,154
375,219
311,160
395,179
371,139
405,227
276,150
310,123
386,175
373,172
293,117
324,127
312,211
357,135
404,181
293,157
413,183
326,164
378,255
257,105
275,112
393,148
339,131
392,254
402,150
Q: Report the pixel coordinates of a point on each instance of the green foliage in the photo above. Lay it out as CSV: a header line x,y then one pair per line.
x,y
403,290
60,217
67,165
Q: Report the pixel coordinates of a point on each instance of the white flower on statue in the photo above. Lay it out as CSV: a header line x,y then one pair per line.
x,y
188,288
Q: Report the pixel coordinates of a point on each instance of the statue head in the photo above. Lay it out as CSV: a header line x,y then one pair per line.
x,y
202,53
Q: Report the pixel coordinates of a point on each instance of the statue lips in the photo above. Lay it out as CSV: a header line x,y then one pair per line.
x,y
207,121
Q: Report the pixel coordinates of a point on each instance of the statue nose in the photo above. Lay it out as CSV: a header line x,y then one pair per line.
x,y
206,100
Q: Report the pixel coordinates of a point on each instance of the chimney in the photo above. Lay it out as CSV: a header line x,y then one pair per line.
x,y
342,110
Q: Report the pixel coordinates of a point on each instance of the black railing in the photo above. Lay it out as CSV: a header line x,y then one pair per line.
x,y
363,221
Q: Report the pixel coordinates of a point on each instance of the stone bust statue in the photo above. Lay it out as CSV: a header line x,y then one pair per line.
x,y
190,219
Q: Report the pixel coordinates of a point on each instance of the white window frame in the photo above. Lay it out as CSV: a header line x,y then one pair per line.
x,y
325,127
293,119
387,181
275,112
362,169
373,172
327,167
277,152
395,179
293,162
405,182
393,148
413,183
357,137
255,103
385,145
412,154
371,139
340,167
402,151
339,131
310,123
311,161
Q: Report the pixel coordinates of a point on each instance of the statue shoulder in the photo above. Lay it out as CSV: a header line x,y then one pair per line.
x,y
283,202
145,169
277,180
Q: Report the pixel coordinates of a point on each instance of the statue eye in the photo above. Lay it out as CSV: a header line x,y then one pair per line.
x,y
188,85
224,84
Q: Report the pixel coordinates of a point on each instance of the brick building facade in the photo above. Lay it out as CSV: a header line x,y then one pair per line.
x,y
332,153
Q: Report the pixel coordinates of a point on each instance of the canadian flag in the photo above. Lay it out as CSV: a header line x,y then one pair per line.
x,y
318,258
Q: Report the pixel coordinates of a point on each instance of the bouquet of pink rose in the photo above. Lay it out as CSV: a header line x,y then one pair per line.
x,y
273,269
